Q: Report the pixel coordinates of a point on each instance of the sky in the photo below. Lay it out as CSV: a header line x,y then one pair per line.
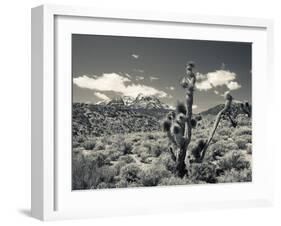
x,y
106,67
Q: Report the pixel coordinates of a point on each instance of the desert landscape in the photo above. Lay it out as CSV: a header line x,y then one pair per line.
x,y
122,144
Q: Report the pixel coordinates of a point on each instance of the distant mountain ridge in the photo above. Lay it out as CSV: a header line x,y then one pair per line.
x,y
140,102
235,108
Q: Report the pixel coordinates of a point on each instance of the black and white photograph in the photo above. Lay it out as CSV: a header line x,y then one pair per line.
x,y
160,112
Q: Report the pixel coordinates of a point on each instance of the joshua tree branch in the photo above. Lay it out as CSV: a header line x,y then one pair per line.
x,y
218,118
172,154
233,122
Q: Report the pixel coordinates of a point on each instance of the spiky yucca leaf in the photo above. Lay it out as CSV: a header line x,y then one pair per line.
x,y
193,122
176,129
167,125
181,108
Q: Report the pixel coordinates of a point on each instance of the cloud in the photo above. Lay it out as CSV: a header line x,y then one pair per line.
x,y
233,85
220,77
153,78
116,83
194,106
135,56
138,78
215,79
102,96
216,92
127,75
204,85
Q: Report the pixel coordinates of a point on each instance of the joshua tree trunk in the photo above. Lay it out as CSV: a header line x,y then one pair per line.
x,y
181,165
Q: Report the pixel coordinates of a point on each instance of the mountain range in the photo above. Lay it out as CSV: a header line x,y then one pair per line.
x,y
235,109
140,102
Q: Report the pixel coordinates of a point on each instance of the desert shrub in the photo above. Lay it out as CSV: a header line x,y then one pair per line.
x,y
130,172
134,185
167,161
233,175
127,159
174,181
75,144
102,185
150,136
224,131
88,171
241,142
139,150
219,148
105,174
196,149
156,150
89,145
125,147
117,167
233,160
247,138
114,155
243,120
243,130
80,139
151,176
145,157
147,144
249,148
106,140
203,172
122,184
100,146
78,167
99,158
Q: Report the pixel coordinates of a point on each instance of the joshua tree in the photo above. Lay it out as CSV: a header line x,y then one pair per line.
x,y
179,124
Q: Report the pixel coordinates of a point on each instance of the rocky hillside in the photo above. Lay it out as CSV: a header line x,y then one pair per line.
x,y
113,118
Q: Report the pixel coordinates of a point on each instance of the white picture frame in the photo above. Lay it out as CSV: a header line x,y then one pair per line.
x,y
51,197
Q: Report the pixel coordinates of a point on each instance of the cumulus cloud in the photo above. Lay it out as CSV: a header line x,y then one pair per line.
x,y
233,85
153,78
116,83
135,56
102,96
194,106
220,77
172,88
215,79
127,75
203,85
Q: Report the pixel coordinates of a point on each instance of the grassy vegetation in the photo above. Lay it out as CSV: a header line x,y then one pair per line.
x,y
141,158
